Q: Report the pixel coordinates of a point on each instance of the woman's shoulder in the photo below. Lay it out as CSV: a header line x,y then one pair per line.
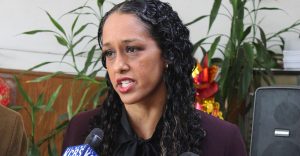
x,y
222,137
212,122
84,117
78,128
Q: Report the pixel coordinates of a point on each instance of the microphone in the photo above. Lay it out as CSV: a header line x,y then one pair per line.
x,y
80,150
91,143
95,138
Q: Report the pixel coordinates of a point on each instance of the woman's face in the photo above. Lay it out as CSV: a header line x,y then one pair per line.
x,y
133,59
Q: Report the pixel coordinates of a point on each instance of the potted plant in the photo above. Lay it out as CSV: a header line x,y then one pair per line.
x,y
247,47
72,39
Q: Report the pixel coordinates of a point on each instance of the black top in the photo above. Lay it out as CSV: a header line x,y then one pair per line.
x,y
222,138
130,144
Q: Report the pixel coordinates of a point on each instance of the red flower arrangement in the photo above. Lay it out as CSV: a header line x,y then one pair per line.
x,y
4,93
206,88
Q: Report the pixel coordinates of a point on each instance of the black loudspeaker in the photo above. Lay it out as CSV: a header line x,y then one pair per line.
x,y
276,122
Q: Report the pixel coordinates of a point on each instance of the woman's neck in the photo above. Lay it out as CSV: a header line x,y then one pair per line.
x,y
145,117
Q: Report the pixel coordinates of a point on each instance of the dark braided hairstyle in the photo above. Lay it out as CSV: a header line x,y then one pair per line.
x,y
181,130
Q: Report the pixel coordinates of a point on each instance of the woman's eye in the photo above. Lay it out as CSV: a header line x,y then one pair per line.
x,y
108,53
130,49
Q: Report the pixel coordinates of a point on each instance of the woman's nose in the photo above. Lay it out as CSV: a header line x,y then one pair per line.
x,y
121,63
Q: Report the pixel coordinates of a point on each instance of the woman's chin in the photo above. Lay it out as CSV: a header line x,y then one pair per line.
x,y
128,100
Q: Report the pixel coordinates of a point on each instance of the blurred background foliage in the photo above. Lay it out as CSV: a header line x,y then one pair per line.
x,y
77,44
247,48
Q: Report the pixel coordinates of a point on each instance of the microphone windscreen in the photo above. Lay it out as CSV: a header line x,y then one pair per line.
x,y
95,138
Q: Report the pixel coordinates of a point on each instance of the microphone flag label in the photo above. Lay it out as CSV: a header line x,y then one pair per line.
x,y
80,150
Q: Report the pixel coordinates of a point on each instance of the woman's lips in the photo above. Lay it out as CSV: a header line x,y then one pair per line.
x,y
124,85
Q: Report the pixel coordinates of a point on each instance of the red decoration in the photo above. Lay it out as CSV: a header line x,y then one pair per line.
x,y
204,78
206,88
4,92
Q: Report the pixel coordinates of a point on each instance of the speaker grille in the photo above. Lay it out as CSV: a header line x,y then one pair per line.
x,y
276,108
287,113
282,148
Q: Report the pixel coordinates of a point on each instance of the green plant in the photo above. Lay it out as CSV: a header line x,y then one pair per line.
x,y
77,43
248,47
38,106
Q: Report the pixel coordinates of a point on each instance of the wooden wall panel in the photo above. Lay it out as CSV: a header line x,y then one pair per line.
x,y
47,121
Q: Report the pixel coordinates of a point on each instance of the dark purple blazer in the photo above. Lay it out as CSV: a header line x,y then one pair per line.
x,y
222,138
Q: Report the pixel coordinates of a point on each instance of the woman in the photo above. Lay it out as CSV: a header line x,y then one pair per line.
x,y
149,107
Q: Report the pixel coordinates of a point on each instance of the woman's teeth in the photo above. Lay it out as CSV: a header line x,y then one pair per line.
x,y
126,83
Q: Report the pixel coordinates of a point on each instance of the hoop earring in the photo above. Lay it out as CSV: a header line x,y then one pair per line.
x,y
167,65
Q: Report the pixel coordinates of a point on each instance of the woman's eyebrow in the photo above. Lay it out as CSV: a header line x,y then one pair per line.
x,y
131,40
106,44
124,41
